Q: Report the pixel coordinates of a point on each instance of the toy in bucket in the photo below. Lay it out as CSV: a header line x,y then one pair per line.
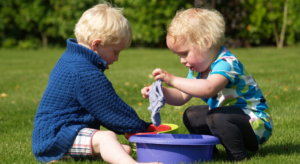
x,y
152,129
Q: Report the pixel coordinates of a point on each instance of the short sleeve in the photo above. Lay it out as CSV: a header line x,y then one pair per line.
x,y
229,67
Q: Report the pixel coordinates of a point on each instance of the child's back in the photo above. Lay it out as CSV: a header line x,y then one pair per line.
x,y
80,96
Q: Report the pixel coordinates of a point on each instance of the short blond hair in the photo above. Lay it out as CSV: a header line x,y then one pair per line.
x,y
198,26
103,22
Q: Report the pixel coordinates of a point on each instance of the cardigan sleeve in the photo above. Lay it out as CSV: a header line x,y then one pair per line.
x,y
96,94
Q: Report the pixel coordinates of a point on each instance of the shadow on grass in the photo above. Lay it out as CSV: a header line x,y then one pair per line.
x,y
280,149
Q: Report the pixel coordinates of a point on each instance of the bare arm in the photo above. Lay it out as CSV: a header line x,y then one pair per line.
x,y
201,88
173,96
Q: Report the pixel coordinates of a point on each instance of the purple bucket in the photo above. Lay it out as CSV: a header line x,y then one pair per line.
x,y
174,148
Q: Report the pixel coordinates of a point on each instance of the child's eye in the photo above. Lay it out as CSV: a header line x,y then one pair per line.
x,y
183,54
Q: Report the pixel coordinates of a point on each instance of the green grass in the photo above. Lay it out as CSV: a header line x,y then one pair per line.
x,y
24,76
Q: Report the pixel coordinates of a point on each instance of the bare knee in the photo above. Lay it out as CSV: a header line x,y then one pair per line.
x,y
101,136
127,148
109,134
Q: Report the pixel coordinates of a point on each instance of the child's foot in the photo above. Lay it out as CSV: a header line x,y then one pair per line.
x,y
54,161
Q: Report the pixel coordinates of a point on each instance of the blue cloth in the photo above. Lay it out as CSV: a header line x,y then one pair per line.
x,y
157,101
78,95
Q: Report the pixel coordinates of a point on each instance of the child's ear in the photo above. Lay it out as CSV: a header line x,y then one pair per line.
x,y
208,42
95,44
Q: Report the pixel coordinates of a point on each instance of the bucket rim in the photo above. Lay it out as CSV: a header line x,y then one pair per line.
x,y
175,139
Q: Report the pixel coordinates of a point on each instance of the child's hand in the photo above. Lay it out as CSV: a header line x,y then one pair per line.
x,y
163,75
145,91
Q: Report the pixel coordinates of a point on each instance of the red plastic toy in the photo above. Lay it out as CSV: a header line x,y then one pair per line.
x,y
151,130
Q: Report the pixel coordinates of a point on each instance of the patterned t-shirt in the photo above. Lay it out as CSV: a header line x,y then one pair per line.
x,y
241,91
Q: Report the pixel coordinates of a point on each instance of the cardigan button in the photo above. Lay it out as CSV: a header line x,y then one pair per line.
x,y
101,64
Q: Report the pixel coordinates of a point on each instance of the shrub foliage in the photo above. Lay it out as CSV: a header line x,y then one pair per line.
x,y
40,23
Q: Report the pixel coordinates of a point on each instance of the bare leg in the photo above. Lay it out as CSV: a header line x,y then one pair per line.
x,y
106,143
127,148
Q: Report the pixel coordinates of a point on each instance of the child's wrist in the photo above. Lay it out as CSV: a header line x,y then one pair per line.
x,y
171,83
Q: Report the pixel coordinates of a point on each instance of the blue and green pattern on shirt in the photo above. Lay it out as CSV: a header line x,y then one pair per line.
x,y
241,91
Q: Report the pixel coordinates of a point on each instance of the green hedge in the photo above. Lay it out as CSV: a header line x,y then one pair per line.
x,y
45,23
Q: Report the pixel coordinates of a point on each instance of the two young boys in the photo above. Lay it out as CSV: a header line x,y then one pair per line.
x,y
79,98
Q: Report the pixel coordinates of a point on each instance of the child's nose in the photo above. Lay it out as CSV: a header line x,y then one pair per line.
x,y
182,61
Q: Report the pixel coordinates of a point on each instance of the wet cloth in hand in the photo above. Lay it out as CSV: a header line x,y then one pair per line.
x,y
157,101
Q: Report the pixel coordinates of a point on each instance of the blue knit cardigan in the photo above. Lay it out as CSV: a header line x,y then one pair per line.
x,y
78,95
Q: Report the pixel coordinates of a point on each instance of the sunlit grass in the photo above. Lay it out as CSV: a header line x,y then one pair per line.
x,y
24,76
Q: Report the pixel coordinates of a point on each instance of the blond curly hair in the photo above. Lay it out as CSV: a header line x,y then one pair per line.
x,y
198,26
103,22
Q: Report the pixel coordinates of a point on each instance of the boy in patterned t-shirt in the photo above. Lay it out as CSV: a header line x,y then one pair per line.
x,y
237,112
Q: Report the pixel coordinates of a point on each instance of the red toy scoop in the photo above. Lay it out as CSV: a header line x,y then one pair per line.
x,y
152,129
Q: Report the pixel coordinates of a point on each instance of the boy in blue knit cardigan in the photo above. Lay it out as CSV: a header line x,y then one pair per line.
x,y
79,98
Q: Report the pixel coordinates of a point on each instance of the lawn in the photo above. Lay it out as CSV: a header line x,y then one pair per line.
x,y
24,76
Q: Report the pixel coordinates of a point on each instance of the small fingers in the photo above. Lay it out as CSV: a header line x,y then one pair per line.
x,y
145,91
158,73
159,77
145,96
